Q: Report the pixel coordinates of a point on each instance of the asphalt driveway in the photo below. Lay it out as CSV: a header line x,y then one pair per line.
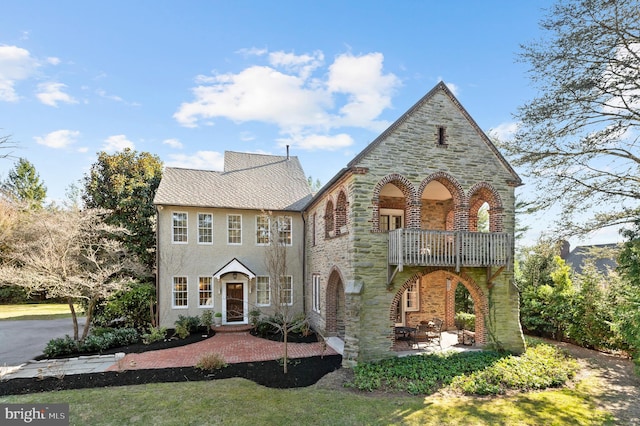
x,y
21,341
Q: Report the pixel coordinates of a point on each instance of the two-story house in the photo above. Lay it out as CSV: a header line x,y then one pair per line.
x,y
384,243
213,232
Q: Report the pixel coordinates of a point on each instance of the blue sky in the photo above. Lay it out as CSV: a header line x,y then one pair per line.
x,y
188,80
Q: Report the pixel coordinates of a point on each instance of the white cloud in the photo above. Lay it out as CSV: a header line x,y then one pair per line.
x,y
257,93
51,93
202,160
369,90
53,60
504,131
58,139
252,51
117,143
173,143
104,94
16,64
286,93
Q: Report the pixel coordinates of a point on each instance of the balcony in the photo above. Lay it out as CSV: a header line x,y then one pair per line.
x,y
417,247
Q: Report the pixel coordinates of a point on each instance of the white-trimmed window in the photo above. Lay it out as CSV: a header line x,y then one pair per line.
x,y
234,229
315,292
263,291
205,228
411,298
262,230
284,230
205,292
180,293
286,290
391,219
179,228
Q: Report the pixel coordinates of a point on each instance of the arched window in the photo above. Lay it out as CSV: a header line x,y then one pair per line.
x,y
329,222
341,214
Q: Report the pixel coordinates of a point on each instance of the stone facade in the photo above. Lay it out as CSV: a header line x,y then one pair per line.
x,y
410,155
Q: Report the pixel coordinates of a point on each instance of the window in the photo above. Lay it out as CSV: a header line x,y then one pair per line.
x,y
313,229
286,290
262,230
179,229
234,229
315,292
284,230
180,292
411,300
391,219
442,135
263,291
329,231
205,228
205,292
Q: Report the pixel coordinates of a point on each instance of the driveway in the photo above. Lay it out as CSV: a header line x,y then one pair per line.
x,y
21,341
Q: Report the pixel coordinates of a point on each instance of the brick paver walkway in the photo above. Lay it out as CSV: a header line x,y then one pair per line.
x,y
234,347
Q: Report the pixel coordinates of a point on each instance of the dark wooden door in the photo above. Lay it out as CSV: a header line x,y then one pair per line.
x,y
235,302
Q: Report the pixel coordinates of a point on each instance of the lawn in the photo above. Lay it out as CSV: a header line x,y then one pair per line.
x,y
242,402
33,311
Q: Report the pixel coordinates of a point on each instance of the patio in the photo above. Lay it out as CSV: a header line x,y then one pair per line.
x,y
449,343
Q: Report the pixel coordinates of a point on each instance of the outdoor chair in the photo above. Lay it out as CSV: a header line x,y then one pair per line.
x,y
434,332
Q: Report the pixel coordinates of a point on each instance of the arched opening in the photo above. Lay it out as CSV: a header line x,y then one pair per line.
x,y
335,313
435,297
341,214
329,222
485,209
393,208
393,204
437,204
442,207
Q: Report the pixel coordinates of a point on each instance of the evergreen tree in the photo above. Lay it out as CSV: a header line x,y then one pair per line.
x,y
24,184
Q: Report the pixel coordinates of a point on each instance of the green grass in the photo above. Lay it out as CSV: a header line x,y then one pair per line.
x,y
241,402
33,311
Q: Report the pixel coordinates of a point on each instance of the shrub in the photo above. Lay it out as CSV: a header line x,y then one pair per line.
x,y
190,323
541,366
182,331
132,305
155,334
465,320
61,346
206,319
211,361
420,374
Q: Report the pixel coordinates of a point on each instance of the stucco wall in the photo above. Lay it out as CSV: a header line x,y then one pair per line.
x,y
194,260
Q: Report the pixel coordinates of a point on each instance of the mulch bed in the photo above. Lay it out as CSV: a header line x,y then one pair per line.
x,y
301,372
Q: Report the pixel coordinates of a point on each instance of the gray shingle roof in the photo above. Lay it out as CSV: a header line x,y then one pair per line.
x,y
249,181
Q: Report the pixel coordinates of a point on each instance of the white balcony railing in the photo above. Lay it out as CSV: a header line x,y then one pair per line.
x,y
419,247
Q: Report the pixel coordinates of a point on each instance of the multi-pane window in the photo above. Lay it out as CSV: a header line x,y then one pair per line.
x,y
284,230
411,297
286,290
180,292
234,229
205,292
315,292
262,230
313,229
263,292
179,229
391,219
205,228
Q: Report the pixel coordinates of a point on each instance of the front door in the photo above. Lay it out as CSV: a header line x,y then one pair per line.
x,y
235,302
